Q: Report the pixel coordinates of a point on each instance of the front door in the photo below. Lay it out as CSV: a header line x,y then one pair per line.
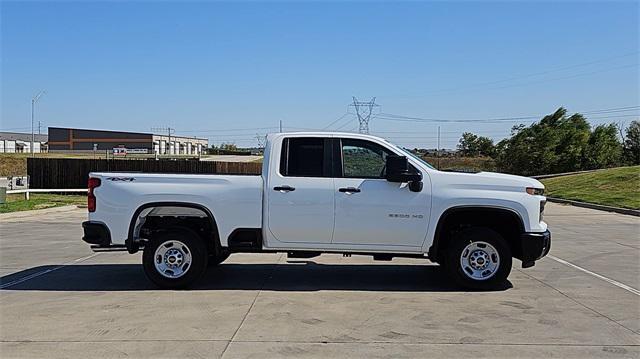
x,y
300,199
369,209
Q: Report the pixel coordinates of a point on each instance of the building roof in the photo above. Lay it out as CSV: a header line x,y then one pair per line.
x,y
129,132
98,130
179,137
19,136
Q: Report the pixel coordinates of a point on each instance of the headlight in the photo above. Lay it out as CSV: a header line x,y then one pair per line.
x,y
535,191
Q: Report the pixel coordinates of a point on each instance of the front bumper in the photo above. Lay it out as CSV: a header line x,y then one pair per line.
x,y
96,233
533,247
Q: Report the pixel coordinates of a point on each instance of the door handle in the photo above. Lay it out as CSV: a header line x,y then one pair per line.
x,y
349,190
285,188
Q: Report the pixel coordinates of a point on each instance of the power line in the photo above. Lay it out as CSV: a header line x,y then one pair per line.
x,y
344,125
348,122
402,118
236,134
612,116
535,74
565,68
336,121
566,77
619,109
232,129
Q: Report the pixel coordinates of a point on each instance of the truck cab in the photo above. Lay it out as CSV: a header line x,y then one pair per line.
x,y
322,192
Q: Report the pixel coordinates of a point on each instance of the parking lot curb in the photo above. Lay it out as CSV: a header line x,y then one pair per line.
x,y
35,212
600,207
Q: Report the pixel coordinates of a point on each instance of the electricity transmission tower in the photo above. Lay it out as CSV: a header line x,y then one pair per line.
x,y
363,111
262,140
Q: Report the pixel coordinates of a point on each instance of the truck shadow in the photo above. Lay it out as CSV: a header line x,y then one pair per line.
x,y
296,276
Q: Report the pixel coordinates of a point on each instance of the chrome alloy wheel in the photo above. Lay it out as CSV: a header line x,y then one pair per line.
x,y
479,260
172,259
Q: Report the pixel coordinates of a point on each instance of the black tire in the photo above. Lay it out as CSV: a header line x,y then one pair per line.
x,y
193,245
214,260
467,277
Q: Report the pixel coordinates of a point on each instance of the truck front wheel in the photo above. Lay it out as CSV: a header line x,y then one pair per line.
x,y
478,258
175,259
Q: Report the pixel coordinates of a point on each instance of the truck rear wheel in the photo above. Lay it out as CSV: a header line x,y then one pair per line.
x,y
175,259
478,258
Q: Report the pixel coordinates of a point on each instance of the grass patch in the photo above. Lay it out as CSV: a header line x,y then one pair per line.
x,y
16,202
12,166
619,187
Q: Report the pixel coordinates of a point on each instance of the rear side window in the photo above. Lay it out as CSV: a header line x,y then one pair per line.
x,y
304,157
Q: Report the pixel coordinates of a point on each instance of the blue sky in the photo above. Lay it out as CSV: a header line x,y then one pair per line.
x,y
228,71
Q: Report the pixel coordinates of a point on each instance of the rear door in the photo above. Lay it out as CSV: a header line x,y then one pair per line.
x,y
301,192
370,210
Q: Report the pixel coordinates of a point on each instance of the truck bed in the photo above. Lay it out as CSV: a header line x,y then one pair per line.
x,y
235,201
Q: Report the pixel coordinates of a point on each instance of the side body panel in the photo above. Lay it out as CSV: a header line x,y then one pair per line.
x,y
234,201
382,213
361,228
299,218
485,190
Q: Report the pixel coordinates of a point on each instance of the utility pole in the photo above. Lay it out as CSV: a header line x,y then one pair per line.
x,y
280,126
34,100
363,111
169,132
438,149
39,126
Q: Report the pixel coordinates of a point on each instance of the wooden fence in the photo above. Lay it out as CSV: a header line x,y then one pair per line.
x,y
61,173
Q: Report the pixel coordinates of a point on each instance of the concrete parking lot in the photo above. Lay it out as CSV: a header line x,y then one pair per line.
x,y
59,300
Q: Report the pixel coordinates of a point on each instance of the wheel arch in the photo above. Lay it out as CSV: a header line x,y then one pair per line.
x,y
473,216
134,225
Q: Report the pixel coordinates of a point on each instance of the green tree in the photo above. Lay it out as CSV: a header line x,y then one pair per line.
x,y
229,146
573,137
632,143
473,145
555,144
485,146
604,149
467,144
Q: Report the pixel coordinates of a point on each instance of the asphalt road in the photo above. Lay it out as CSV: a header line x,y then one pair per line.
x,y
59,300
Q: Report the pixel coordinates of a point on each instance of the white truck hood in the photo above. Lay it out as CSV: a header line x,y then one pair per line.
x,y
488,180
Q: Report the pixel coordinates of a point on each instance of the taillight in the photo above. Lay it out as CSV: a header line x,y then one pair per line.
x,y
91,197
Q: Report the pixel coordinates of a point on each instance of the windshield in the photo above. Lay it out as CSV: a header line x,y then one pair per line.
x,y
412,155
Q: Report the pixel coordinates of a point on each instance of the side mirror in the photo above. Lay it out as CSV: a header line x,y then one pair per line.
x,y
397,168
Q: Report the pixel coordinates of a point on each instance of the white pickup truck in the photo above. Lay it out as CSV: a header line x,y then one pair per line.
x,y
322,192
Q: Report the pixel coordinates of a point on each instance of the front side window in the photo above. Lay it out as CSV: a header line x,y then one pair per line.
x,y
363,159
